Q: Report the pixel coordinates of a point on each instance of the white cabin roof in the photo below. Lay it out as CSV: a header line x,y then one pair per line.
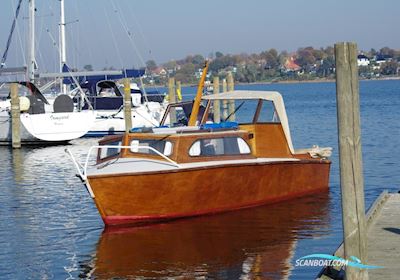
x,y
272,96
245,95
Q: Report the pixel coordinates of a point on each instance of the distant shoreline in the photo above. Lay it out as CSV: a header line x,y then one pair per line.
x,y
315,81
303,82
290,82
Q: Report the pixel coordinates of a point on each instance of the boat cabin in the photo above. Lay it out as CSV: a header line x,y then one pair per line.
x,y
264,133
109,95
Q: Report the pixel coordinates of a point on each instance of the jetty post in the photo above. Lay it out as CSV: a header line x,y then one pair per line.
x,y
217,103
127,105
172,99
350,157
15,117
224,102
231,104
178,86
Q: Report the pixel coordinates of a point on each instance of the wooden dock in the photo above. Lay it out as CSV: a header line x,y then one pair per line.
x,y
383,235
384,240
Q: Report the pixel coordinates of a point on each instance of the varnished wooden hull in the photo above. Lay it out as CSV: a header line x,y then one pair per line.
x,y
158,196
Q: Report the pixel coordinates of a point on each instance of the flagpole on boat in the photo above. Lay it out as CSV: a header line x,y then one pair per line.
x,y
197,100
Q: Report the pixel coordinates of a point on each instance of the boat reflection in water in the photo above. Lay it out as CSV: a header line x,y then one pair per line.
x,y
255,243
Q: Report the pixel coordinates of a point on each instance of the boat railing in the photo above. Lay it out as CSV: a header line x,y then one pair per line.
x,y
82,169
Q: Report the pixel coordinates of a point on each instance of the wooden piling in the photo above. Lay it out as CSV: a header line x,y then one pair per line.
x,y
217,103
224,102
351,170
178,90
231,103
127,105
15,117
172,99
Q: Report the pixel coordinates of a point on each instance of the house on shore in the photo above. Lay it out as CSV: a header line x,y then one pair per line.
x,y
291,66
159,72
362,60
382,58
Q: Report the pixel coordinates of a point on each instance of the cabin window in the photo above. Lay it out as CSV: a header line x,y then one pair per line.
x,y
164,147
110,152
246,112
268,113
179,114
219,147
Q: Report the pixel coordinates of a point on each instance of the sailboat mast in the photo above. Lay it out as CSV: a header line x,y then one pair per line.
x,y
31,42
63,55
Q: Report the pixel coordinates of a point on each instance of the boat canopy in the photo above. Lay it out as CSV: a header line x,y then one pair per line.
x,y
273,96
93,79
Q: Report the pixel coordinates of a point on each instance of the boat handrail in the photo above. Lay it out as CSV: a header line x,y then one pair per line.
x,y
82,170
78,166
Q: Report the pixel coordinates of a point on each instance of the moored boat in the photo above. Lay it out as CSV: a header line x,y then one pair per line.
x,y
44,123
177,172
106,98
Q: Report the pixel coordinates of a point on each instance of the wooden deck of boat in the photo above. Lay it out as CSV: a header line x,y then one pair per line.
x,y
383,223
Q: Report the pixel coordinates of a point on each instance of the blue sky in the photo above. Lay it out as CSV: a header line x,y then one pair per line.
x,y
164,30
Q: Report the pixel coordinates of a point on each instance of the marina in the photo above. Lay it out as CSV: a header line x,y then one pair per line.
x,y
53,228
124,161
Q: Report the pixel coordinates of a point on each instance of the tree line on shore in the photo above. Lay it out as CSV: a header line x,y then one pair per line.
x,y
306,63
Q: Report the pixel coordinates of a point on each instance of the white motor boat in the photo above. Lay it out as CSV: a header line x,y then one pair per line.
x,y
106,98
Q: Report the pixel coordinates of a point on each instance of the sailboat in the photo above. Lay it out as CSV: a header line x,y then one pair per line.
x,y
104,97
43,121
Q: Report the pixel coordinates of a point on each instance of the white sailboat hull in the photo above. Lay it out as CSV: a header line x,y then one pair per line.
x,y
58,126
109,123
5,131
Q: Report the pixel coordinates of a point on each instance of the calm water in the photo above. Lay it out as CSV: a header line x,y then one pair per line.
x,y
50,228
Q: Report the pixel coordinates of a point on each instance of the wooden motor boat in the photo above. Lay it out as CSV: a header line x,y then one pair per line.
x,y
174,172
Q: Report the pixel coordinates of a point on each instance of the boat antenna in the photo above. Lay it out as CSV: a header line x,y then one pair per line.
x,y
197,100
